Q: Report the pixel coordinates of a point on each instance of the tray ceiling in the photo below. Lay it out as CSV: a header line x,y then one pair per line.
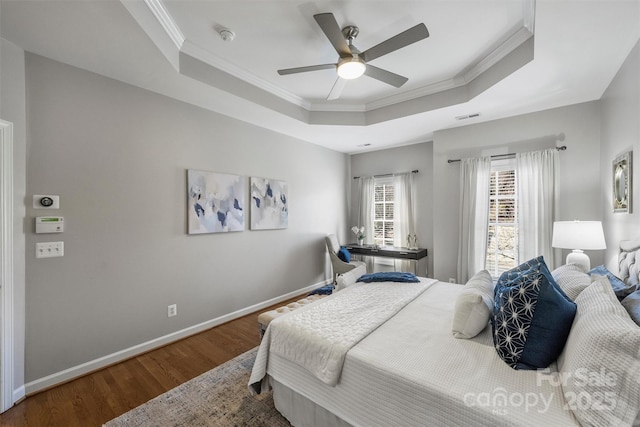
x,y
496,58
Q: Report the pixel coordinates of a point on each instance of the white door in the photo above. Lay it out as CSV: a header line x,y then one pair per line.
x,y
6,265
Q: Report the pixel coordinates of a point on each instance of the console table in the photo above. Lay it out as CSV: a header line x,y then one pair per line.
x,y
389,252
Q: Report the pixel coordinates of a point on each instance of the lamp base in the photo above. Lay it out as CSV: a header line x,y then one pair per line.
x,y
580,258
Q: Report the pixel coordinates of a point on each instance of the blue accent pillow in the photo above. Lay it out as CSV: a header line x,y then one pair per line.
x,y
532,318
324,290
632,304
517,271
620,288
344,254
389,276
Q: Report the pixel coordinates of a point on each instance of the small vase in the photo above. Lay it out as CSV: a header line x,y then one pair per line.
x,y
361,242
412,241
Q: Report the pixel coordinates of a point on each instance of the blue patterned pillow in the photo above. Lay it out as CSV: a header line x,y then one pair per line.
x,y
344,254
620,288
532,318
517,271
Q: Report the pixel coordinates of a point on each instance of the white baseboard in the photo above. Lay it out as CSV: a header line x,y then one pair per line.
x,y
19,393
102,362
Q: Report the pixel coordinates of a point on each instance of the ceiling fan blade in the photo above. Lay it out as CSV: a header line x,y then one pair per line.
x,y
337,88
385,76
405,38
331,29
305,69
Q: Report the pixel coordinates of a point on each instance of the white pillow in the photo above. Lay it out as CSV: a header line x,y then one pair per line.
x,y
572,279
600,364
474,306
347,279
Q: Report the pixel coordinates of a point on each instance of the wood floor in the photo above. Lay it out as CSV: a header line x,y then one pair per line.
x,y
103,395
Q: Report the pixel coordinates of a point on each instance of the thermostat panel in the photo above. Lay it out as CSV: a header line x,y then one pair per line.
x,y
49,224
46,202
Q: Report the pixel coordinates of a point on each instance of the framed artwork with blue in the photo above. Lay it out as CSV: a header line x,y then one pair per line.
x,y
269,204
215,202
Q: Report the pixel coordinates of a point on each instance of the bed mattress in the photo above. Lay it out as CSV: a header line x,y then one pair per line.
x,y
411,371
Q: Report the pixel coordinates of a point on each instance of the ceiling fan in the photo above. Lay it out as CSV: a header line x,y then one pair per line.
x,y
351,62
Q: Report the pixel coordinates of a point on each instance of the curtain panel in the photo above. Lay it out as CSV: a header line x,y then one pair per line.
x,y
403,214
537,192
366,214
475,175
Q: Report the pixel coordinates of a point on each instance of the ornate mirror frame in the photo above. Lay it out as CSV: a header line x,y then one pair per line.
x,y
622,178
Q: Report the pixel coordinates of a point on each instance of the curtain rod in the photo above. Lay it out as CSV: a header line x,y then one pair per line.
x,y
506,156
388,174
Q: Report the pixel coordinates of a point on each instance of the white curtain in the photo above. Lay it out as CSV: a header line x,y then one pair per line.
x,y
366,213
536,191
475,175
403,215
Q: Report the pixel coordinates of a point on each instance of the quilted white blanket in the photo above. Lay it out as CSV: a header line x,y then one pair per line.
x,y
318,336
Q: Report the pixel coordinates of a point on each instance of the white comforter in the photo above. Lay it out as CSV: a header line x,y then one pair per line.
x,y
318,337
411,371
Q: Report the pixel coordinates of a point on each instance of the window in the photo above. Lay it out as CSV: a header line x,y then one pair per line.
x,y
502,239
383,208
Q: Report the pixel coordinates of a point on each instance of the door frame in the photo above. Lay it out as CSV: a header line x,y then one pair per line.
x,y
6,267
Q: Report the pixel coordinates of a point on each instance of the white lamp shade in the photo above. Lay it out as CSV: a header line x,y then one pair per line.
x,y
579,236
584,235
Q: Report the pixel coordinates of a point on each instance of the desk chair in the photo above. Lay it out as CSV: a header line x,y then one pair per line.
x,y
338,265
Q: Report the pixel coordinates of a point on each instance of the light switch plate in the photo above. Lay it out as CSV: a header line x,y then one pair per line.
x,y
49,249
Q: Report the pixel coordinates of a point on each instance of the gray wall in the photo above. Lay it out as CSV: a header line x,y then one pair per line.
x,y
401,159
620,112
117,155
579,188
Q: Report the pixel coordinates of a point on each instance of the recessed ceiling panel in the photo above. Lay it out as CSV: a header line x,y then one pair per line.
x,y
283,34
579,47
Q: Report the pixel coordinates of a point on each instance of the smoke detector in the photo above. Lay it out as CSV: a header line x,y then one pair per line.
x,y
227,35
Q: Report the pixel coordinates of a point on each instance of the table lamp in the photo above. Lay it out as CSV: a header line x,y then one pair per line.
x,y
578,236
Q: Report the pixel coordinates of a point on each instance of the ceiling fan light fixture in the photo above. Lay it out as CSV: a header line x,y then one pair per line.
x,y
351,68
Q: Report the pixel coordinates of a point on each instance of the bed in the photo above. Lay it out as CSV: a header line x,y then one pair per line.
x,y
405,367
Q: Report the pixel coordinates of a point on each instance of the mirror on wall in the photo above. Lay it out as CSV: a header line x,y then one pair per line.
x,y
622,183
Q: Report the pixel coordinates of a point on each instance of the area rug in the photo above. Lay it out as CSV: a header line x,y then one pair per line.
x,y
219,397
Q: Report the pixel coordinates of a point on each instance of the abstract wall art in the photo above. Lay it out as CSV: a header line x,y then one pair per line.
x,y
269,204
216,202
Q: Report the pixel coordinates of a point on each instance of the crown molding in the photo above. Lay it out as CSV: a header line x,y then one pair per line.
x,y
167,22
520,36
529,15
427,90
512,41
215,61
390,100
337,107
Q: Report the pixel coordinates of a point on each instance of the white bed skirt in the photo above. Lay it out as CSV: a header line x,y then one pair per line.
x,y
300,411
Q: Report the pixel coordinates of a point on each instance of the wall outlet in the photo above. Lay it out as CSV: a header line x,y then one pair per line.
x,y
172,310
452,280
